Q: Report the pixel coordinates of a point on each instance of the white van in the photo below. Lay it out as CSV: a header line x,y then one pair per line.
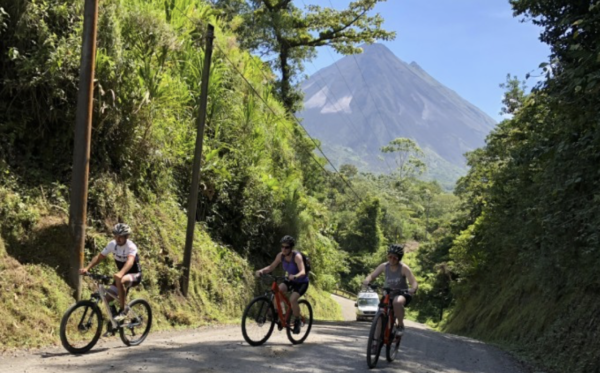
x,y
366,305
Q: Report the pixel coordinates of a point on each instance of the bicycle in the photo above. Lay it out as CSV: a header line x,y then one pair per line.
x,y
264,311
385,321
81,325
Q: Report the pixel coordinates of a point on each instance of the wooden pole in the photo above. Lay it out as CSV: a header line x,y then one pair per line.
x,y
193,197
83,132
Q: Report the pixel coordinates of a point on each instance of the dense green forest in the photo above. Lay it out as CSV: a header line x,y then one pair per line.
x,y
510,257
522,257
260,177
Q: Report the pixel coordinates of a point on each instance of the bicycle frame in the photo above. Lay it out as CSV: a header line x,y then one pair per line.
x,y
279,297
103,295
388,313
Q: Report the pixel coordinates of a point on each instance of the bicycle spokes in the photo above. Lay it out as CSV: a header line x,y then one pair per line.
x,y
258,321
136,326
306,318
375,340
80,327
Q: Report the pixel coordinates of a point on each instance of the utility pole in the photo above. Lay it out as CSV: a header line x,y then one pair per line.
x,y
428,196
193,197
83,133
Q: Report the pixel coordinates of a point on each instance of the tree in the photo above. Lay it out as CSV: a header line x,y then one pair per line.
x,y
514,96
407,157
281,31
364,235
348,170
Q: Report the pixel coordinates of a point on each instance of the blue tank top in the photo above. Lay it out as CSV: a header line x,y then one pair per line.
x,y
292,268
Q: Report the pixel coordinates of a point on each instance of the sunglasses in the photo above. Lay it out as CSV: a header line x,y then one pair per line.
x,y
393,256
284,247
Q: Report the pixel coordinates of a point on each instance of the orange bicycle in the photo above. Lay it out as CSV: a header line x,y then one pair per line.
x,y
383,330
273,307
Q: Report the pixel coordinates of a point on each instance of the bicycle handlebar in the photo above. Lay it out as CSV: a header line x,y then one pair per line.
x,y
374,287
98,277
270,277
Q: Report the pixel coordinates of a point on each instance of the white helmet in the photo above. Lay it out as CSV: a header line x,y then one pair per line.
x,y
121,229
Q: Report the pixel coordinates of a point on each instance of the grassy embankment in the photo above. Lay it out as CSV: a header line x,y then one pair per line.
x,y
534,323
34,248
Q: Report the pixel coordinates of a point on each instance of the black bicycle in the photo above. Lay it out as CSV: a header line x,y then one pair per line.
x,y
81,325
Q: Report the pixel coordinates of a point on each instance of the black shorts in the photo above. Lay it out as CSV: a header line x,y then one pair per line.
x,y
406,296
296,287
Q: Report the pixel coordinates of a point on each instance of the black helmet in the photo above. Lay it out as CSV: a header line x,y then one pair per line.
x,y
288,240
121,229
396,249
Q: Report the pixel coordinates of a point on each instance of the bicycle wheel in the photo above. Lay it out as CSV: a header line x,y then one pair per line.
x,y
306,320
258,321
391,349
80,327
136,326
375,341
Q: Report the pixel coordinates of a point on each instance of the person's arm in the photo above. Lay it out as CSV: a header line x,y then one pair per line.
x,y
97,259
300,264
126,267
411,279
270,267
374,275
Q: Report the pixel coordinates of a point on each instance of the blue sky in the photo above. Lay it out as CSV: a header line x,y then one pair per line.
x,y
467,45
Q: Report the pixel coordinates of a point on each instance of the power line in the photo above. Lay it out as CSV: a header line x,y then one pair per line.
x,y
368,92
295,119
361,111
273,111
335,106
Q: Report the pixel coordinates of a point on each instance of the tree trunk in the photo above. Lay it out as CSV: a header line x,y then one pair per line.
x,y
287,100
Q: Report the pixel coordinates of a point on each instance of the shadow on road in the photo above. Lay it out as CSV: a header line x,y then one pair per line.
x,y
332,346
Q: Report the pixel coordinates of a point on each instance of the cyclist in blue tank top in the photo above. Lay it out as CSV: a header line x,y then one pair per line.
x,y
297,281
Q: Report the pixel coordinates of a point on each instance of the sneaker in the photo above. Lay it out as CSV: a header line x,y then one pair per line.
x,y
399,334
122,315
297,326
109,330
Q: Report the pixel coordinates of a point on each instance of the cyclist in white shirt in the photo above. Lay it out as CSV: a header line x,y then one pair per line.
x,y
127,260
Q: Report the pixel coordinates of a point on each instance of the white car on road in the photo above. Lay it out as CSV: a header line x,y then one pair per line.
x,y
366,305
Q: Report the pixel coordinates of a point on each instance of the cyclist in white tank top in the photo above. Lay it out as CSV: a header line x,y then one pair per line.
x,y
127,260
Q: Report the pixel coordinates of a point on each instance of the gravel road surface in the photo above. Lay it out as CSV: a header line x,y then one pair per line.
x,y
331,347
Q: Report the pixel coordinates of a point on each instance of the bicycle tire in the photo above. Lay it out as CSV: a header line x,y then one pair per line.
x,y
306,320
373,356
139,317
260,313
90,312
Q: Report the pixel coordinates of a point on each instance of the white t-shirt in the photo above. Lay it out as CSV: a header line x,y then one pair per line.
x,y
121,253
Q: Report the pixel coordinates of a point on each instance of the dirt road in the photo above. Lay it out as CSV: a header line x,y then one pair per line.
x,y
331,347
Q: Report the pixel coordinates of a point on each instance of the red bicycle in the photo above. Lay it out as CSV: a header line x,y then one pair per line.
x,y
383,330
273,307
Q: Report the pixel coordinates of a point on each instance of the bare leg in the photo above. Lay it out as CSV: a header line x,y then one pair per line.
x,y
399,303
294,301
283,288
122,283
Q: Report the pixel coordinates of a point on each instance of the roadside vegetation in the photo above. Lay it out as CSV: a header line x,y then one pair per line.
x,y
511,257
